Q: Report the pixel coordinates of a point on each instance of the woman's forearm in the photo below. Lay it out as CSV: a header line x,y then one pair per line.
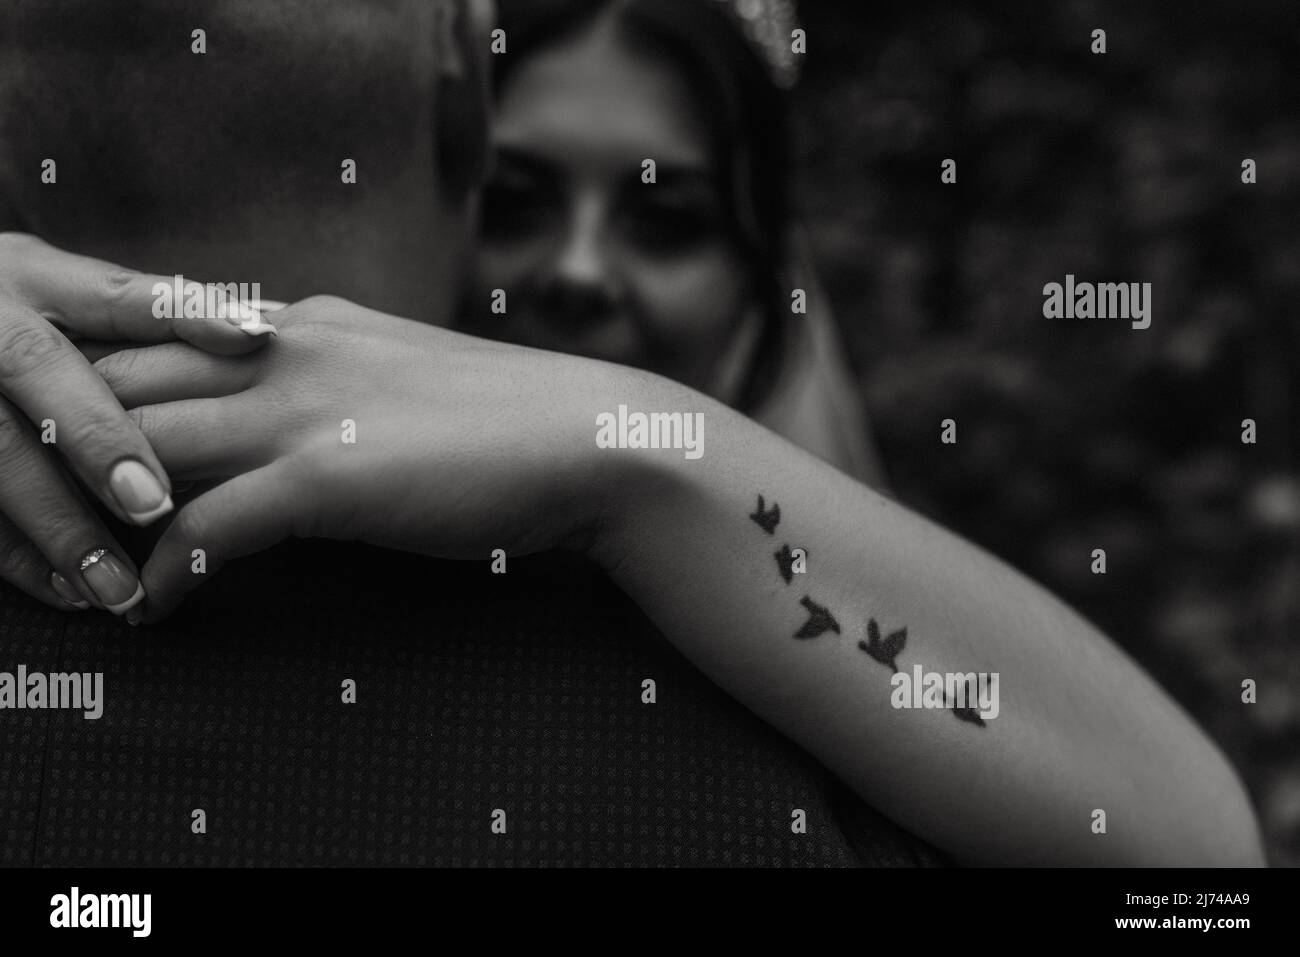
x,y
820,620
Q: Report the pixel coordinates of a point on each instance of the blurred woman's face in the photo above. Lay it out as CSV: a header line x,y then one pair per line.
x,y
593,260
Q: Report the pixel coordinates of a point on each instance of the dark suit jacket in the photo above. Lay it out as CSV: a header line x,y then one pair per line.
x,y
475,692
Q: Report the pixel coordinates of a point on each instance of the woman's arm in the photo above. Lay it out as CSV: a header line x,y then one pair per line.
x,y
1079,728
357,425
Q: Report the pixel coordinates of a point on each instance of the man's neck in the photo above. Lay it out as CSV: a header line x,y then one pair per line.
x,y
227,165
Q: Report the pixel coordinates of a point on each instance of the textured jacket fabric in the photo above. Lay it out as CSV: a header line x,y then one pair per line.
x,y
475,693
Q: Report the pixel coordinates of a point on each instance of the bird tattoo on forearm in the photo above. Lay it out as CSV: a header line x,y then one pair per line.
x,y
819,620
884,651
882,648
785,562
766,520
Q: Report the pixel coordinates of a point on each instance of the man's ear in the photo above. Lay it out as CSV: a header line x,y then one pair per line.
x,y
463,32
463,28
447,15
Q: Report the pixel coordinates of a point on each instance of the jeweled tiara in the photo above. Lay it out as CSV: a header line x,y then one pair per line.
x,y
766,25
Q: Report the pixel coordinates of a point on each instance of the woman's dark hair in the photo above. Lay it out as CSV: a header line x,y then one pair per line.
x,y
747,121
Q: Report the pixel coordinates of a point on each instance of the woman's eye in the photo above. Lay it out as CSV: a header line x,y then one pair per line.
x,y
667,229
515,212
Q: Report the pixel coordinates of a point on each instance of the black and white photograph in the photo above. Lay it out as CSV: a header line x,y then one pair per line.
x,y
649,434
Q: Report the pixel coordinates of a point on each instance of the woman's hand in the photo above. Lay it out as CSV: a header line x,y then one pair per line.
x,y
463,445
359,425
57,415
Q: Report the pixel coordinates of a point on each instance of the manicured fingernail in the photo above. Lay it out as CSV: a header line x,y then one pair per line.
x,y
139,492
135,615
258,327
253,325
266,305
245,316
67,592
117,589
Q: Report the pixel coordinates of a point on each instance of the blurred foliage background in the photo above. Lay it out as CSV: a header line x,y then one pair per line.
x,y
1083,434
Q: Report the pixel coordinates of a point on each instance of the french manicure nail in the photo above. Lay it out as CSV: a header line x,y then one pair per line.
x,y
117,589
67,591
244,316
253,325
257,326
139,492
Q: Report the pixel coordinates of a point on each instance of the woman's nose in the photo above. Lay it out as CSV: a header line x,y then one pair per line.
x,y
582,286
583,258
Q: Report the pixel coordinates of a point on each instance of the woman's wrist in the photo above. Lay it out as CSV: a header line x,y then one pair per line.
x,y
654,442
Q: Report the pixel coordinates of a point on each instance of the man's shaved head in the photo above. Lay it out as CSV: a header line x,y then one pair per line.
x,y
158,147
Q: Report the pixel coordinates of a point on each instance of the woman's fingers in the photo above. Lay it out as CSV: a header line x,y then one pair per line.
x,y
171,372
199,439
171,390
43,375
191,407
90,298
47,526
247,514
23,566
231,328
52,403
